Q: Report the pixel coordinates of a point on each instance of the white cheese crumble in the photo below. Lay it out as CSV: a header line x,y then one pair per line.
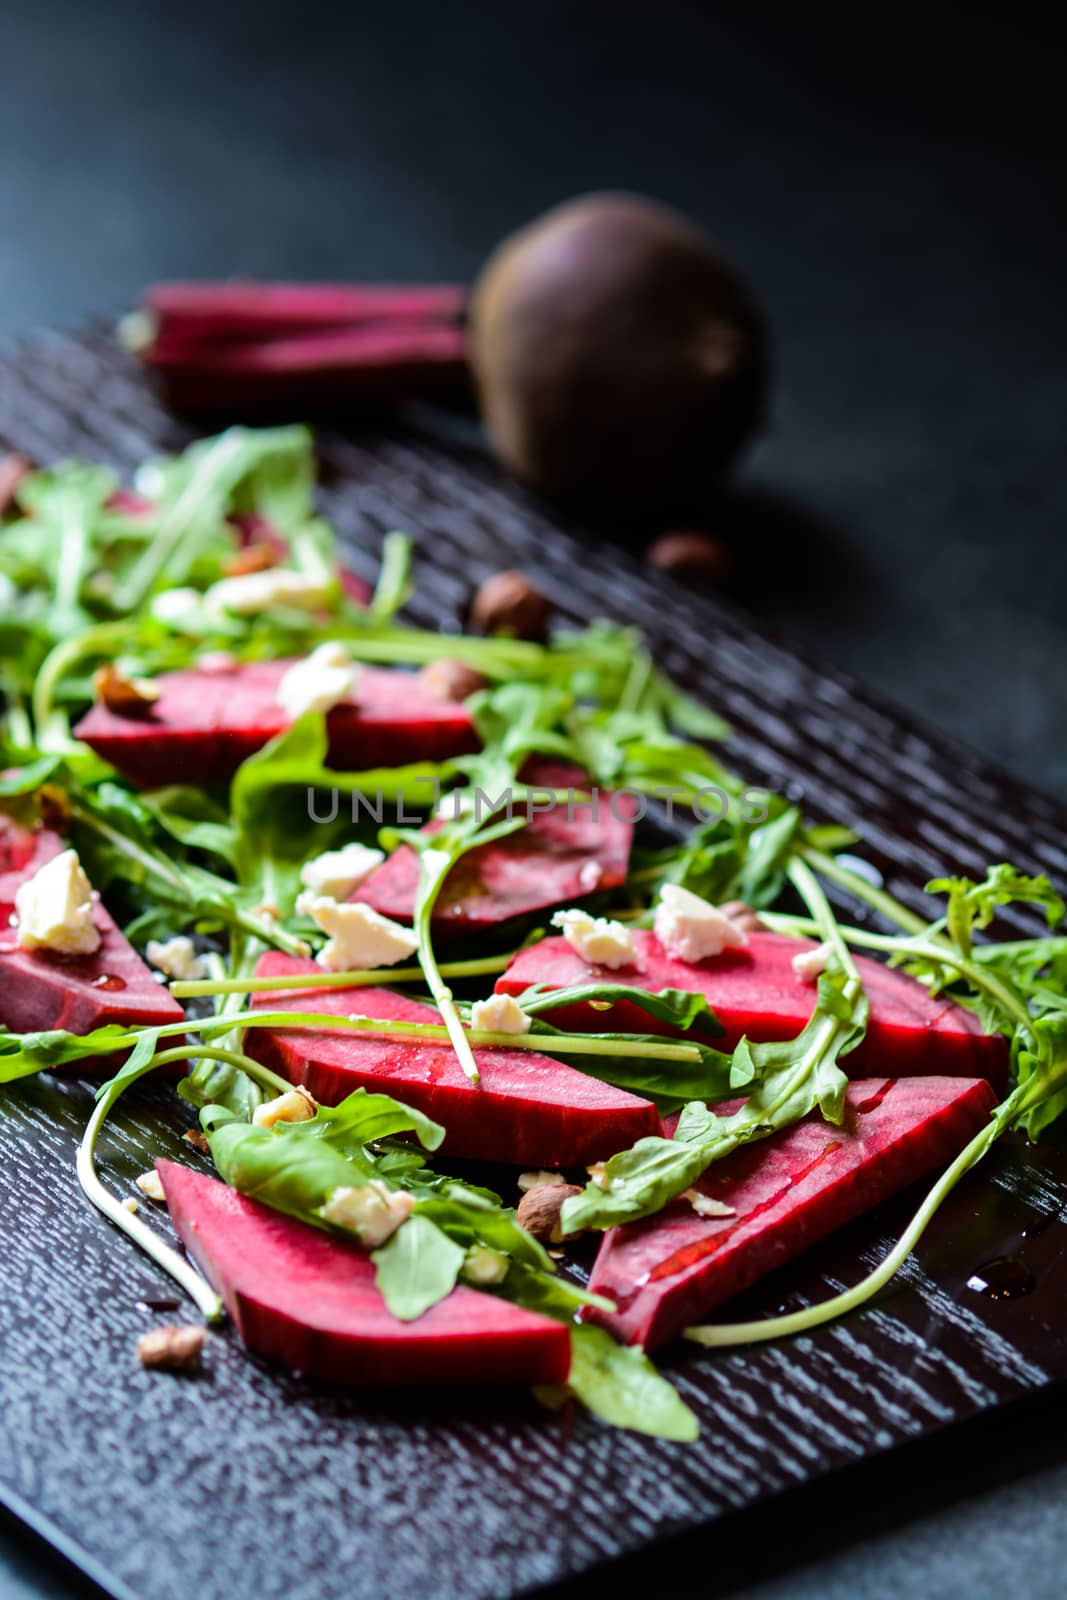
x,y
484,1266
151,1186
373,1211
177,957
318,682
705,1206
254,592
296,1105
598,940
172,605
809,964
539,1180
360,937
54,909
691,929
500,1013
336,873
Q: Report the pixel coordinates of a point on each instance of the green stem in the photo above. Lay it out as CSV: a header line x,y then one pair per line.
x,y
434,867
722,1335
101,640
175,1265
192,988
878,899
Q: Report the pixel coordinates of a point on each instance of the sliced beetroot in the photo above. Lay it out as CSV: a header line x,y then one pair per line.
x,y
563,855
40,990
204,724
527,1108
309,1301
198,312
755,992
672,1270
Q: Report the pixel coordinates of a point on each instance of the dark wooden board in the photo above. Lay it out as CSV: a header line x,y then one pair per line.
x,y
248,1482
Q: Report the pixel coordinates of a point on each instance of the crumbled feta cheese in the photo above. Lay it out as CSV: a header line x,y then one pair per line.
x,y
500,1013
336,873
151,1186
172,605
296,1105
360,937
705,1206
373,1211
691,929
589,875
318,682
217,663
176,957
484,1266
539,1180
54,909
598,940
810,963
454,805
254,592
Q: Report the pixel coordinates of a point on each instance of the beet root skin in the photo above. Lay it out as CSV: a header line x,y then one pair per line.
x,y
621,362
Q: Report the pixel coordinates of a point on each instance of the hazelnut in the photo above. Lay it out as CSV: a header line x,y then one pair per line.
x,y
742,916
53,803
539,1210
251,558
449,679
509,603
126,697
698,557
13,469
198,1140
172,1348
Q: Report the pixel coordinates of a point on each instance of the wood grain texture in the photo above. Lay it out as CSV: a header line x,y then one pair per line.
x,y
244,1481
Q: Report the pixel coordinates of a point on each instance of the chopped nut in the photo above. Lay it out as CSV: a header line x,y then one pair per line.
x,y
484,1266
172,1348
198,1140
705,1206
296,1105
126,697
535,1180
698,557
450,679
151,1186
508,603
130,1205
598,1173
13,468
539,1210
742,916
373,1211
252,558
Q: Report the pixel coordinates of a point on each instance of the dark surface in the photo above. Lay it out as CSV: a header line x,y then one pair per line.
x,y
471,1496
892,181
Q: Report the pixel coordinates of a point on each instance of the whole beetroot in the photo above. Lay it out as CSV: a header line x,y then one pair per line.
x,y
621,362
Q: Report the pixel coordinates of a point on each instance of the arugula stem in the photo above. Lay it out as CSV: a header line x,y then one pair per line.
x,y
99,640
434,867
194,988
878,899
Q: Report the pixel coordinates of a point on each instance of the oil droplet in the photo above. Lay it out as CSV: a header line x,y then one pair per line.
x,y
1005,1278
108,980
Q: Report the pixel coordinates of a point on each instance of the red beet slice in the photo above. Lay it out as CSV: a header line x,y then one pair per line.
x,y
195,312
563,855
308,1300
204,724
671,1270
40,990
755,992
528,1108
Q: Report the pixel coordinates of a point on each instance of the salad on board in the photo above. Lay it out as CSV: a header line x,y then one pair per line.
x,y
393,911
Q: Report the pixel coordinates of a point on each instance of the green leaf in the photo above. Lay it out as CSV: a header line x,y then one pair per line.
x,y
416,1268
619,1384
678,1008
24,1054
769,850
972,906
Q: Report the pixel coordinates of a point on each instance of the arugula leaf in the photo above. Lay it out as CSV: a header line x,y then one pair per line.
x,y
24,1054
677,1008
790,1079
972,906
417,1267
619,1384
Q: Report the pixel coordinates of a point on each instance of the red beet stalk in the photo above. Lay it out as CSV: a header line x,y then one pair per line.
x,y
215,312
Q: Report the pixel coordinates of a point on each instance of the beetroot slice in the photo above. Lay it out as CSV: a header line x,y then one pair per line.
x,y
204,724
556,859
40,990
671,1270
755,992
528,1108
309,1301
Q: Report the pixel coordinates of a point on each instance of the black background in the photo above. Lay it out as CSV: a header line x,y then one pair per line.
x,y
892,182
